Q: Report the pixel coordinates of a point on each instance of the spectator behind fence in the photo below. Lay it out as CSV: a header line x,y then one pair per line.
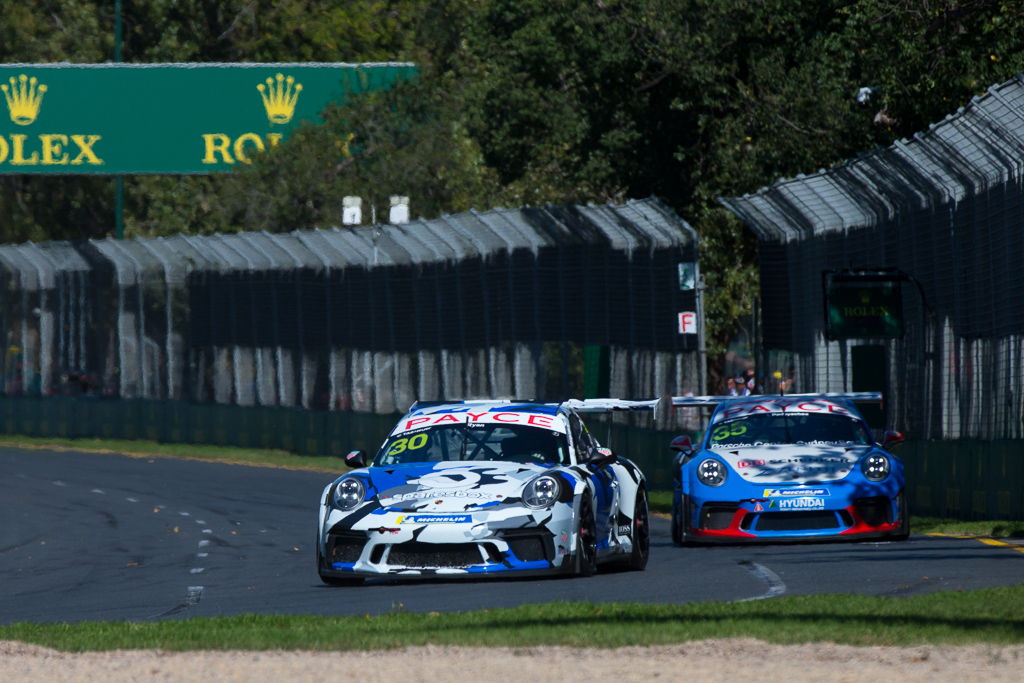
x,y
751,382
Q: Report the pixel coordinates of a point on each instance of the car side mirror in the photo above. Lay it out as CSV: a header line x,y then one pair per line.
x,y
681,444
891,439
356,458
602,457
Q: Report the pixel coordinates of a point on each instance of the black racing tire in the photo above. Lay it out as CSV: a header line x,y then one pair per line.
x,y
904,531
681,523
685,539
676,540
640,533
585,561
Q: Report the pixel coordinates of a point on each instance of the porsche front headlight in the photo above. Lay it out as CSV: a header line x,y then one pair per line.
x,y
349,493
711,472
542,492
875,467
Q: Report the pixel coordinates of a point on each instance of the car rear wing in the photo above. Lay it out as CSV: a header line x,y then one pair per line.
x,y
662,407
607,405
855,396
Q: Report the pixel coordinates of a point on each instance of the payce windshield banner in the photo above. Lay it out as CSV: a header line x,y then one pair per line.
x,y
165,118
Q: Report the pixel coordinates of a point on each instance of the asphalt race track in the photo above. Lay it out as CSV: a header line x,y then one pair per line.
x,y
108,537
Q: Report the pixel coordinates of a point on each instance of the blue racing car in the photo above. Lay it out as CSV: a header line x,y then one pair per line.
x,y
786,468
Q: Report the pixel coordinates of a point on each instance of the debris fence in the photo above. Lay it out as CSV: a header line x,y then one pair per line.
x,y
943,213
539,303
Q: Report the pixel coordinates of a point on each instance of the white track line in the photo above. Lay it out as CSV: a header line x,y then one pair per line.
x,y
776,586
193,594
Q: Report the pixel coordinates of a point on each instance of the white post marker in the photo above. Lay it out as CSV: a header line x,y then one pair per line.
x,y
351,210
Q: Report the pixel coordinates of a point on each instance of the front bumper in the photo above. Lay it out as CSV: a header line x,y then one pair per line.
x,y
756,520
480,545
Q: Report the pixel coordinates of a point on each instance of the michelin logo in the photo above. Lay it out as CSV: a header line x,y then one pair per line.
x,y
794,493
433,519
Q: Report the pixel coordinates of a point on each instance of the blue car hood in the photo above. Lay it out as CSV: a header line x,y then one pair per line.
x,y
450,486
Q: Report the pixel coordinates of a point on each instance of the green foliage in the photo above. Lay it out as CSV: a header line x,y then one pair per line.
x,y
402,141
46,31
531,102
242,30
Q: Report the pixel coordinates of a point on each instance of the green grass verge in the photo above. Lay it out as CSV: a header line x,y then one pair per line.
x,y
659,501
993,616
150,449
938,525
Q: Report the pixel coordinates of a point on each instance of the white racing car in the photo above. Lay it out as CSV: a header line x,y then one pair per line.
x,y
478,488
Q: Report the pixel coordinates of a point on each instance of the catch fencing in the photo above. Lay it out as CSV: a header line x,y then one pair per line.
x,y
540,303
943,211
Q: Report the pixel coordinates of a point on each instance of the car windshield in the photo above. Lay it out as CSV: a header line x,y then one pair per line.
x,y
475,442
788,428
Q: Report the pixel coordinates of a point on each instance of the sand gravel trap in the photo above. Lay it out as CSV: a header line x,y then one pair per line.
x,y
709,660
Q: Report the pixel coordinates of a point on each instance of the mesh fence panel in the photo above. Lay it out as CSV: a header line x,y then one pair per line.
x,y
945,208
499,303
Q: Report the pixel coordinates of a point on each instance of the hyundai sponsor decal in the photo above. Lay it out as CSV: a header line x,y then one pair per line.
x,y
798,504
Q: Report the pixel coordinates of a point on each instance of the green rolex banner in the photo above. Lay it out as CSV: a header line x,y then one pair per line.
x,y
165,118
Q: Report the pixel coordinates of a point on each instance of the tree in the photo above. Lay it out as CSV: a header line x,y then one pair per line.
x,y
402,141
